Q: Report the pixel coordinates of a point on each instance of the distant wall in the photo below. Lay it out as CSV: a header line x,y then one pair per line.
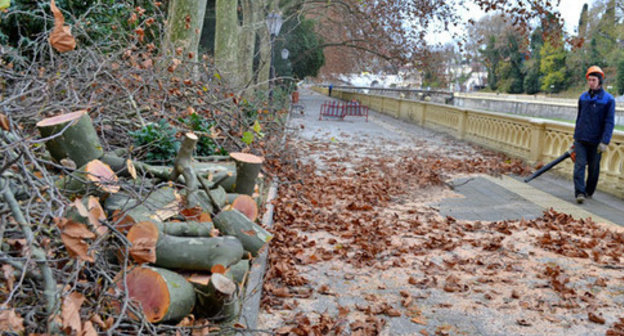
x,y
534,140
522,105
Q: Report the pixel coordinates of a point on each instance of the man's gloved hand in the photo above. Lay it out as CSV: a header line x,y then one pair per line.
x,y
602,148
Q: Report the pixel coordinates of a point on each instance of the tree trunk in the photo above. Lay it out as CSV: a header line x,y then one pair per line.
x,y
227,41
264,65
247,42
79,142
247,169
233,223
189,253
184,24
164,296
217,298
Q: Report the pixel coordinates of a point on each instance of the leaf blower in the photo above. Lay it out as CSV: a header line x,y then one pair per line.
x,y
568,154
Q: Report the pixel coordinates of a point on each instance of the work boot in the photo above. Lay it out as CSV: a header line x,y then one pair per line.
x,y
580,198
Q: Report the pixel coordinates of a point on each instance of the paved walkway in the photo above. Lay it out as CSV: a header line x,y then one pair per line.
x,y
486,305
508,198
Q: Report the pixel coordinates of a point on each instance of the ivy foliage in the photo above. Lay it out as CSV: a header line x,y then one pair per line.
x,y
158,141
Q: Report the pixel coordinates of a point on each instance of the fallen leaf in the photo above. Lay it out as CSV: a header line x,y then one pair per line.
x,y
524,322
60,38
11,321
73,235
418,320
7,272
596,318
70,313
88,329
4,122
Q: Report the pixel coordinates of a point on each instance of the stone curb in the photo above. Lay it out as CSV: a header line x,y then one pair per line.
x,y
253,289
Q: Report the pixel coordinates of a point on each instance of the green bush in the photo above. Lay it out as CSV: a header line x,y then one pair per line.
x,y
205,146
159,142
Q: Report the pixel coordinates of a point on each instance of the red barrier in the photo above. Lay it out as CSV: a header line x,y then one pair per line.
x,y
339,110
354,108
332,109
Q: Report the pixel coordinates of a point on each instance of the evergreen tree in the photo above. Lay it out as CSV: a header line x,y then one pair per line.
x,y
532,83
582,27
620,76
491,56
552,65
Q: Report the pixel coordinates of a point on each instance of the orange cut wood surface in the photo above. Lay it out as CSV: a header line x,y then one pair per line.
x,y
246,157
247,206
61,119
149,289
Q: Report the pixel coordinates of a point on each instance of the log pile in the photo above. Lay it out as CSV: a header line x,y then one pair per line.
x,y
182,261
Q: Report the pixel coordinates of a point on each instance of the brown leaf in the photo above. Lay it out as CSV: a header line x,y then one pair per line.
x,y
71,313
11,321
88,329
60,38
131,169
4,122
596,318
524,322
419,320
7,272
73,235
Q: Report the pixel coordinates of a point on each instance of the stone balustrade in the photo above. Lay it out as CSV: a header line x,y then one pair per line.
x,y
534,140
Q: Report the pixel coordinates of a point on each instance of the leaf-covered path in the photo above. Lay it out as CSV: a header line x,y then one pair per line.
x,y
360,247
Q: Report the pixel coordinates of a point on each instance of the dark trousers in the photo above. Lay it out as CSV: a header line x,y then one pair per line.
x,y
586,156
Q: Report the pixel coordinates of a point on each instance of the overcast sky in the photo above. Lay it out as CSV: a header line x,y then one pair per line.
x,y
570,12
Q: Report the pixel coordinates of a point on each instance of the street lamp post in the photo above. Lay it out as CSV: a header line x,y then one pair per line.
x,y
274,24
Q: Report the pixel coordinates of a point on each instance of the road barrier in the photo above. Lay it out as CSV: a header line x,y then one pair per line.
x,y
335,109
534,140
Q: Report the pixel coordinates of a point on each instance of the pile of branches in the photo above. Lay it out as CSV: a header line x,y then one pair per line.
x,y
124,85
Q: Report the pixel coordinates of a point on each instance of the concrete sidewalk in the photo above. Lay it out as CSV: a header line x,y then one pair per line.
x,y
506,198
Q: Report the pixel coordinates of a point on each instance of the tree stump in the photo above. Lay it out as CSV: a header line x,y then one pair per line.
x,y
247,169
233,223
213,254
164,296
217,297
79,142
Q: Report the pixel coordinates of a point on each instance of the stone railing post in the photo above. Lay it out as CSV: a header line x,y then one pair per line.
x,y
461,127
538,136
423,115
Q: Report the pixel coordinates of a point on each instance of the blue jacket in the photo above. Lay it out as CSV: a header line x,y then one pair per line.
x,y
595,118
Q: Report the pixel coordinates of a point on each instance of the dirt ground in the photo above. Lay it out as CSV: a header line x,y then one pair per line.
x,y
361,249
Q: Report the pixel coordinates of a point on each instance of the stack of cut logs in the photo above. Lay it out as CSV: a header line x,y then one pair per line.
x,y
186,261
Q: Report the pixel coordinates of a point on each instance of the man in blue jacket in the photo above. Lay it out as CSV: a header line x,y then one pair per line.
x,y
592,133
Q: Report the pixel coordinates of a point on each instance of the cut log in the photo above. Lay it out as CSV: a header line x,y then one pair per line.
x,y
217,298
79,142
230,197
163,295
233,223
238,272
219,196
159,205
189,253
186,229
94,172
246,205
247,169
225,179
